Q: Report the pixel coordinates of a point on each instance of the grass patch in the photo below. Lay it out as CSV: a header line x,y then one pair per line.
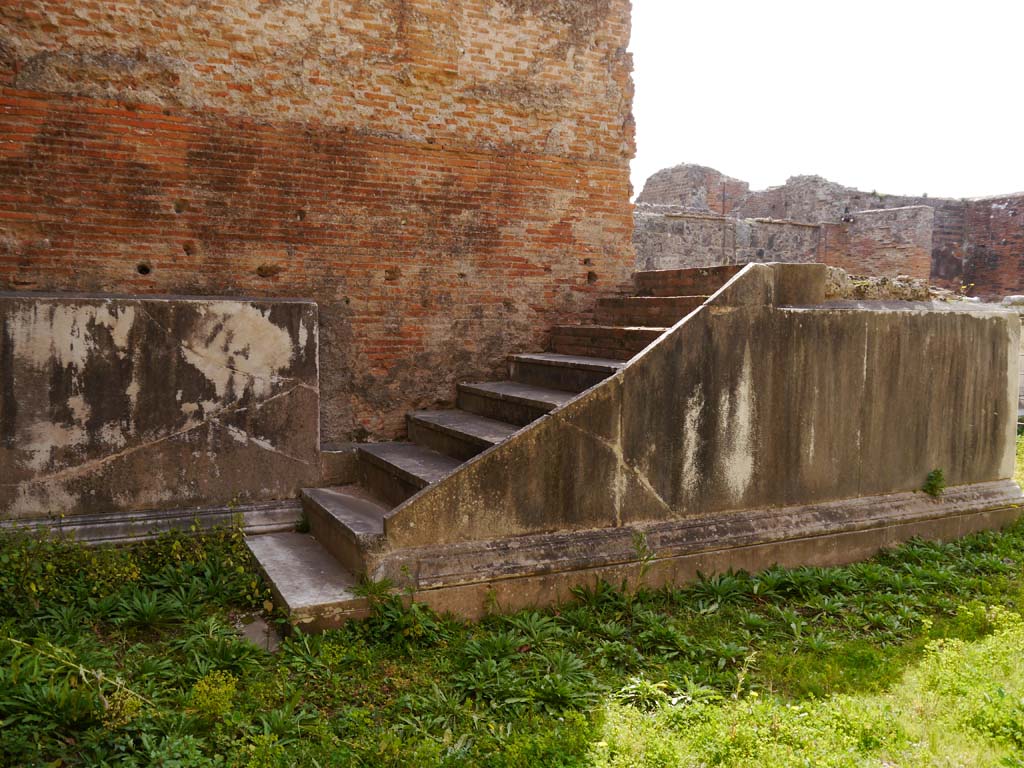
x,y
129,657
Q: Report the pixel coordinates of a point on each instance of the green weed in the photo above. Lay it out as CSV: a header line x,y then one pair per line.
x,y
910,659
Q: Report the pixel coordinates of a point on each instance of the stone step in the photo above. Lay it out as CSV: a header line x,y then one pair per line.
x,y
338,464
684,282
396,471
457,433
511,401
347,521
317,592
646,310
607,341
571,373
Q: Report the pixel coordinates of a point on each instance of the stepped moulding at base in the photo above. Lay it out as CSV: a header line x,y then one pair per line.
x,y
535,571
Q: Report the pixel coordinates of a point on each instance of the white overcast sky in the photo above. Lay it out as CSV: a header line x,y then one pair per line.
x,y
901,96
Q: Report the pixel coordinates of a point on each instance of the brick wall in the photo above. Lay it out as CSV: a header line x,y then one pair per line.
x,y
896,241
994,248
445,181
874,243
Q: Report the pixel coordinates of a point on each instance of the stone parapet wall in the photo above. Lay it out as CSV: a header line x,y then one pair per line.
x,y
975,244
667,237
446,181
114,405
735,408
872,243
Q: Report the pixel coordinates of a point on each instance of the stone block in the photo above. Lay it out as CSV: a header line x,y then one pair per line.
x,y
127,404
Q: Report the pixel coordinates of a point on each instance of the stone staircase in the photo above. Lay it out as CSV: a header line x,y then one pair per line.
x,y
314,574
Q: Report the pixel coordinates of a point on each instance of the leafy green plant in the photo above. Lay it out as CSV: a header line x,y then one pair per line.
x,y
722,589
935,483
213,694
779,668
536,629
144,608
645,695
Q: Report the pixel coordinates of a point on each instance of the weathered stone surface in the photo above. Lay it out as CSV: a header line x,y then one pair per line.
x,y
126,404
673,238
795,528
889,242
257,631
556,580
694,188
307,581
880,243
752,401
126,527
474,579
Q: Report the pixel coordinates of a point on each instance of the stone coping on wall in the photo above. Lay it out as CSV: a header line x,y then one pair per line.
x,y
679,212
155,297
979,309
127,527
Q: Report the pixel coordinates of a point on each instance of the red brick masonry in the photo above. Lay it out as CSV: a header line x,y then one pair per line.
x,y
446,183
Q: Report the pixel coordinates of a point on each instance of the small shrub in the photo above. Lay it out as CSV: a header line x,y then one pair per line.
x,y
644,694
935,483
212,695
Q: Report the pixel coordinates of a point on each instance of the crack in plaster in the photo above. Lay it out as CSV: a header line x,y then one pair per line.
x,y
213,419
621,464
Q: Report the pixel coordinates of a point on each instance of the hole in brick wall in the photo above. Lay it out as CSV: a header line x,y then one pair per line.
x,y
392,274
760,253
300,215
143,269
189,248
591,277
587,262
462,275
180,206
269,270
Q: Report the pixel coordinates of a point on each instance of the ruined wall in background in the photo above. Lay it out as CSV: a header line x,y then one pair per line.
x,y
889,242
874,243
446,181
817,200
977,243
694,188
994,250
116,405
672,238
